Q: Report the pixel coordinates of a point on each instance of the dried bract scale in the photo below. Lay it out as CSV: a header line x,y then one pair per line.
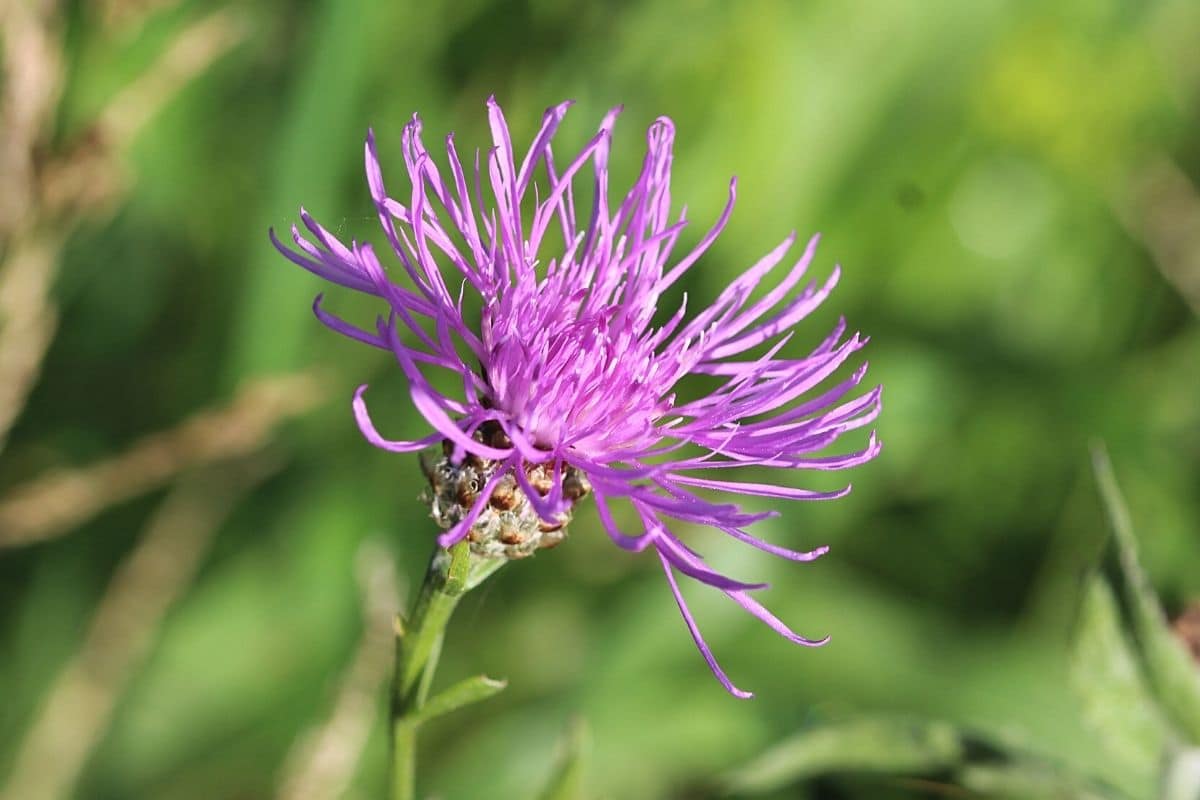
x,y
508,526
569,385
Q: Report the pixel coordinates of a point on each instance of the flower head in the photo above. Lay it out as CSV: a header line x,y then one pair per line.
x,y
569,375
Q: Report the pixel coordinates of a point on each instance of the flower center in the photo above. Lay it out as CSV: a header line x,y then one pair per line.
x,y
508,526
570,377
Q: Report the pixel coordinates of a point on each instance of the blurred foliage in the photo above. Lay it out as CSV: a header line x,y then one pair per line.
x,y
976,167
1150,756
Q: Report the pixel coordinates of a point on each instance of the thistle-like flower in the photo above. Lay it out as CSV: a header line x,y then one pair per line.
x,y
569,375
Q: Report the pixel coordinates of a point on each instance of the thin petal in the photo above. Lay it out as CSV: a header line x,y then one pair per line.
x,y
696,637
363,418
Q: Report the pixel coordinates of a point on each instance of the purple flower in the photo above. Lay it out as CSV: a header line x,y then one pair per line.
x,y
569,369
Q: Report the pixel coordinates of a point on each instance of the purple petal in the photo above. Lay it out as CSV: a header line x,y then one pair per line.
x,y
696,637
372,435
455,534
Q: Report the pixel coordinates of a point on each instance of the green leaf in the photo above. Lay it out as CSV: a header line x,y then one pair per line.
x,y
566,783
1031,780
464,693
864,745
481,569
310,162
1111,688
1173,675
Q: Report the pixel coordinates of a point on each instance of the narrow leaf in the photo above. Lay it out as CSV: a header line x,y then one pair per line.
x,y
481,569
1173,674
464,693
1114,697
567,781
1032,780
864,745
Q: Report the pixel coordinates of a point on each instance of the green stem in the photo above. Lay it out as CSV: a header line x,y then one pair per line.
x,y
451,574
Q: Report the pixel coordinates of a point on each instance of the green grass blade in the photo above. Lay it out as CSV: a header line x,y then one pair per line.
x,y
864,745
566,783
1173,675
1115,699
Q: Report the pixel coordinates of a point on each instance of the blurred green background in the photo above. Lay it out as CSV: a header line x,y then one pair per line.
x,y
1009,187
